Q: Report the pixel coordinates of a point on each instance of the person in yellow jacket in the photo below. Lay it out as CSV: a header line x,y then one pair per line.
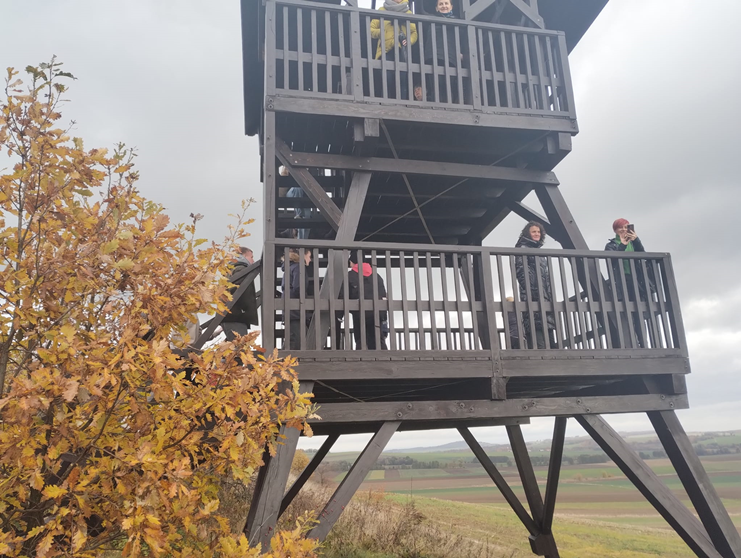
x,y
394,47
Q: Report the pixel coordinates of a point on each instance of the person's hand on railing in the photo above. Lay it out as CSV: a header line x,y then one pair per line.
x,y
402,39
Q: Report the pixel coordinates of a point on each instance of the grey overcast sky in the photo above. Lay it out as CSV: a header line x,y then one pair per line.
x,y
660,142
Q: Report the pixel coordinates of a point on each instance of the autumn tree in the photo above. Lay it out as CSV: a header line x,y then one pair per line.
x,y
110,433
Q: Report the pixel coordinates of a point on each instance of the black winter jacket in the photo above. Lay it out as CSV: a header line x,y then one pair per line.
x,y
531,278
245,309
613,245
439,51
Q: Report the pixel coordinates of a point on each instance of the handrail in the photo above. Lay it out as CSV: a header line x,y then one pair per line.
x,y
322,51
512,299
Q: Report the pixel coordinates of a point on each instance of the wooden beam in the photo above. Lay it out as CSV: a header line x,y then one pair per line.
x,y
352,481
479,7
690,471
511,408
267,502
529,13
527,473
409,166
499,481
554,472
307,472
645,480
295,104
310,186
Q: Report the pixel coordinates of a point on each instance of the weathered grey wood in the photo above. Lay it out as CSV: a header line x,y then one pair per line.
x,y
355,476
708,505
645,480
372,426
410,166
528,12
478,7
593,367
499,481
527,474
308,471
508,118
262,527
554,472
310,186
511,408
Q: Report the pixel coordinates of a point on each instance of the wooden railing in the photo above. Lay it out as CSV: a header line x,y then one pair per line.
x,y
324,51
474,299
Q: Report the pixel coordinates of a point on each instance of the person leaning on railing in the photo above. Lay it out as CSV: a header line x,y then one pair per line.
x,y
435,53
394,46
533,236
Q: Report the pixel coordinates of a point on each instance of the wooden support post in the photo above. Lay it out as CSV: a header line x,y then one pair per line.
x,y
645,480
307,472
355,476
554,472
266,501
690,471
499,481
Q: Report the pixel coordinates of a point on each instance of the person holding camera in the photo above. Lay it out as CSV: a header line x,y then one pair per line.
x,y
392,45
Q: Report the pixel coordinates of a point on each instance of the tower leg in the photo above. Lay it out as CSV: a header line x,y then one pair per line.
x,y
352,481
645,480
270,486
696,482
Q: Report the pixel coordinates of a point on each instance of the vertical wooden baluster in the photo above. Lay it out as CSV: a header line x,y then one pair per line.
x,y
422,69
581,311
568,314
651,310
476,341
330,278
404,299
302,298
418,298
328,49
430,295
446,306
408,63
521,103
341,19
390,296
638,303
384,77
553,305
361,302
435,79
590,300
300,47
541,70
458,65
446,68
551,76
505,63
346,300
627,303
531,96
567,103
314,55
521,307
618,315
476,68
371,58
397,62
286,49
505,310
376,311
661,294
319,343
458,299
602,303
485,97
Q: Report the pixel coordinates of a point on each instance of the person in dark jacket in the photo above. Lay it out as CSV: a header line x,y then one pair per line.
x,y
626,240
372,322
294,291
434,53
244,312
533,236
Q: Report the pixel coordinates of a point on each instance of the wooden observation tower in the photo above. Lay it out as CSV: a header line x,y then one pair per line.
x,y
408,164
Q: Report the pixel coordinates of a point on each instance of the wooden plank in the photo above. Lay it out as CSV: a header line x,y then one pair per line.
x,y
554,471
355,476
393,369
645,480
529,13
310,186
697,483
477,8
592,367
321,429
303,104
307,472
510,408
262,529
410,166
499,481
